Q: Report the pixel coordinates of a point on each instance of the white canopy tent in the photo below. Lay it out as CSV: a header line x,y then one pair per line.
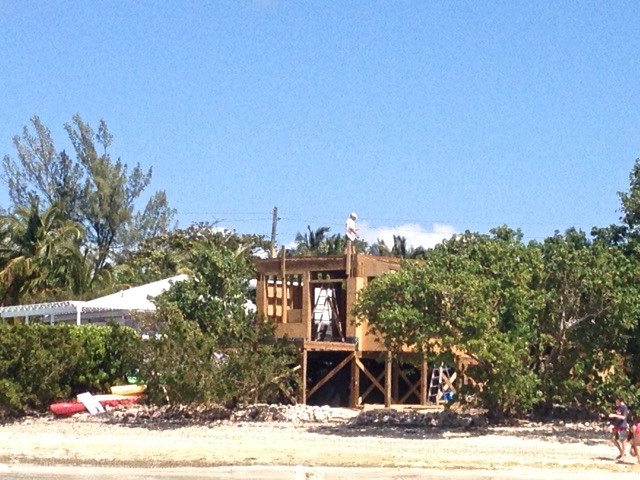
x,y
116,305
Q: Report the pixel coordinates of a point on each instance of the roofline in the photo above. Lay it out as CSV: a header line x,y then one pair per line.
x,y
49,308
317,262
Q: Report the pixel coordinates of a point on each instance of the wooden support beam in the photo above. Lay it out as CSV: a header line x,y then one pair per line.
x,y
303,383
283,273
326,280
332,263
331,374
424,380
395,386
448,380
374,380
347,255
413,388
320,346
307,313
355,383
377,385
387,380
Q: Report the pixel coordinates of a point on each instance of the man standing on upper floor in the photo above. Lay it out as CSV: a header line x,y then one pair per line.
x,y
351,233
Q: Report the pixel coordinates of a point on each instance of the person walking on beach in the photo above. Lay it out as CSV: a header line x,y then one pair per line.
x,y
620,425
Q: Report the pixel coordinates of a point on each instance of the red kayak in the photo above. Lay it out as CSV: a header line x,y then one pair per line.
x,y
67,408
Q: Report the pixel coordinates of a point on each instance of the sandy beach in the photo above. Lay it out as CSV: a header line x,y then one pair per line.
x,y
330,449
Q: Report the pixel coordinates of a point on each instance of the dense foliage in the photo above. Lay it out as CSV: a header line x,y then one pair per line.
x,y
87,199
210,347
41,364
39,256
530,325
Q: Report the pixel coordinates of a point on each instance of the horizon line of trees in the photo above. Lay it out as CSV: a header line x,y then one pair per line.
x,y
543,322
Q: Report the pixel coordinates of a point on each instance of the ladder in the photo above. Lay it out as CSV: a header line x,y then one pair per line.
x,y
435,392
326,302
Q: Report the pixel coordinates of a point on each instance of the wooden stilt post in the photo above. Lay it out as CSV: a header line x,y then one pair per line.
x,y
303,384
395,387
355,383
424,378
387,380
350,257
307,313
283,272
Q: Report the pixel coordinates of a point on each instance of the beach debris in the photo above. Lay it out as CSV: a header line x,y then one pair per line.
x,y
92,405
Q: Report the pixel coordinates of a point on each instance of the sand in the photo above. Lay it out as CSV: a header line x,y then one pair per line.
x,y
336,449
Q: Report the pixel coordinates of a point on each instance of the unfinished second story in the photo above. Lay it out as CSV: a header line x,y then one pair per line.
x,y
311,298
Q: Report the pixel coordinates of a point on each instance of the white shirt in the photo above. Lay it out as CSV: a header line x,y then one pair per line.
x,y
351,231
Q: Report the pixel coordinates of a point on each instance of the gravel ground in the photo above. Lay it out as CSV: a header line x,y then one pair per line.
x,y
267,437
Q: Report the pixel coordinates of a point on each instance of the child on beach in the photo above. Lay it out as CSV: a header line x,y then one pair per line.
x,y
620,426
634,439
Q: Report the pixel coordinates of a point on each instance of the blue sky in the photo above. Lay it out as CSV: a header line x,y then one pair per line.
x,y
426,118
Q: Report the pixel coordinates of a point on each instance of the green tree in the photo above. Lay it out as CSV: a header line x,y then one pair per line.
x,y
627,236
108,193
211,348
334,245
154,221
380,249
215,294
631,202
542,323
42,174
591,308
318,242
39,255
399,248
311,243
471,300
92,189
170,253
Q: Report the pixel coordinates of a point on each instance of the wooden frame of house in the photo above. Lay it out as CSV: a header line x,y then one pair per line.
x,y
309,299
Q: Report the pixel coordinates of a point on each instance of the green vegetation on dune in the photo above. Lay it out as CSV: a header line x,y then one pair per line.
x,y
537,324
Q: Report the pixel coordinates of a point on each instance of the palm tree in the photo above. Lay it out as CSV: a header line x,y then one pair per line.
x,y
39,255
380,249
311,243
334,245
400,248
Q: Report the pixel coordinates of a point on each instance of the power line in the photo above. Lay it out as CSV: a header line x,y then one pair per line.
x,y
374,222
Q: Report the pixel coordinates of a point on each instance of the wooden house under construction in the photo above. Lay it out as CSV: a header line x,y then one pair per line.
x,y
309,299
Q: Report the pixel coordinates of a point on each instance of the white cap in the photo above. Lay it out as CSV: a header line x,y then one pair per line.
x,y
354,215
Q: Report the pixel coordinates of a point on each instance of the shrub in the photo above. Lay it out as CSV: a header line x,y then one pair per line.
x,y
41,364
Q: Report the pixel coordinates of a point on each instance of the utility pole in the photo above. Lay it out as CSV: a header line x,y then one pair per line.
x,y
273,232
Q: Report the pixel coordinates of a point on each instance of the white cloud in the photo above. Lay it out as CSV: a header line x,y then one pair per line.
x,y
416,235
